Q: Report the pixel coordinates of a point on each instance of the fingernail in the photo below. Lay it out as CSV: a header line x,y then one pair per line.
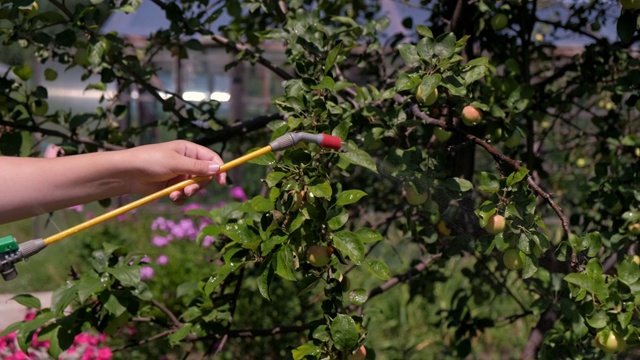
x,y
214,168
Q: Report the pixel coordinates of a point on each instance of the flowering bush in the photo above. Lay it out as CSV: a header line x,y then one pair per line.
x,y
86,346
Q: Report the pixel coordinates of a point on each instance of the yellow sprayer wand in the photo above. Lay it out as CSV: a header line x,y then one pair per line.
x,y
11,252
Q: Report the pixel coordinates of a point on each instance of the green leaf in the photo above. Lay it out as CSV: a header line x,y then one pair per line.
x,y
261,204
176,337
424,31
628,272
27,300
367,235
274,178
598,319
266,159
487,182
377,268
409,54
358,157
426,49
445,45
240,233
430,83
62,297
304,350
193,44
406,82
89,285
331,58
127,275
358,297
475,73
349,244
264,279
517,176
626,26
285,263
114,305
584,281
321,189
219,276
339,220
349,197
344,332
458,184
326,83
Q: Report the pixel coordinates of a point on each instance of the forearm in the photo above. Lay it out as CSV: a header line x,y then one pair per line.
x,y
33,186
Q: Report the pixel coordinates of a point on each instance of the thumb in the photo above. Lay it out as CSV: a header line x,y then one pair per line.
x,y
189,166
202,167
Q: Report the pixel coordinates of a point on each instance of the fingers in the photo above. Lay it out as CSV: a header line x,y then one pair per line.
x,y
180,197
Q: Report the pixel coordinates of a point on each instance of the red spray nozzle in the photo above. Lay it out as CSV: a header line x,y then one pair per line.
x,y
288,140
331,142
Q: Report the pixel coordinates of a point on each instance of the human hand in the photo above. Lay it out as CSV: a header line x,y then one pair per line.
x,y
155,167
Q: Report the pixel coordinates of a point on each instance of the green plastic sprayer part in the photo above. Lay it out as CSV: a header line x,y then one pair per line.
x,y
11,252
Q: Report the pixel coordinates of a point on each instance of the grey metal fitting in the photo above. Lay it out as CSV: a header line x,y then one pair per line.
x,y
9,259
290,139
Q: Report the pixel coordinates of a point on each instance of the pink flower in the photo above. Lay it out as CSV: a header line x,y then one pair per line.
x,y
162,259
191,207
238,193
30,316
104,353
159,223
160,241
208,240
146,273
145,260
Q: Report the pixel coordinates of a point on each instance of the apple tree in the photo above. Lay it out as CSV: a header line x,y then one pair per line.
x,y
487,189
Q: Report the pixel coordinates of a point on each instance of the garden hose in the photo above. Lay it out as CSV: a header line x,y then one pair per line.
x,y
11,252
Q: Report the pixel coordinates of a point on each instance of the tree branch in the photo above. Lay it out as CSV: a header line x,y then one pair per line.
x,y
66,136
239,129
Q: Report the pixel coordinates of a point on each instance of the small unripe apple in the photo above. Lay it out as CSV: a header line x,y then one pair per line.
x,y
511,259
634,228
539,37
427,100
636,259
581,162
499,21
318,255
611,343
360,354
514,140
637,151
443,229
441,134
414,197
471,116
595,26
495,224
